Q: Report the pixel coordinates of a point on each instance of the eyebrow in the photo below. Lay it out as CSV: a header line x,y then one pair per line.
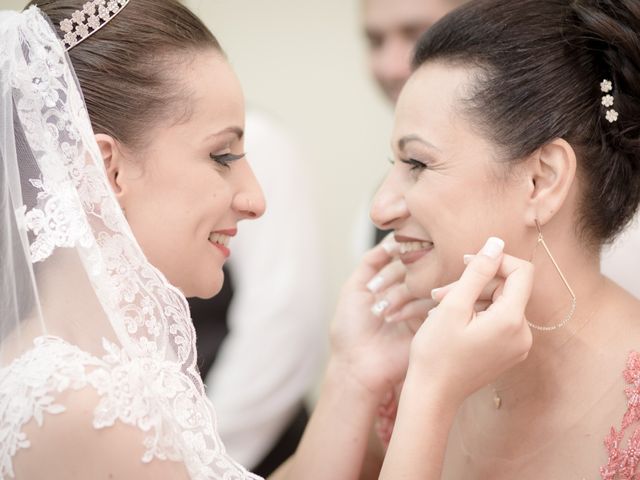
x,y
414,138
237,131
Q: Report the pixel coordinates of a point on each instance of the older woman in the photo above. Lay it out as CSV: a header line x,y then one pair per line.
x,y
522,119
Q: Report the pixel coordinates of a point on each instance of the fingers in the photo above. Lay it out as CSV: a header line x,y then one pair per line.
x,y
487,292
516,289
414,310
372,262
480,271
392,273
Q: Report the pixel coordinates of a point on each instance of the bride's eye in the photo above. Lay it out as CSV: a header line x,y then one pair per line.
x,y
226,158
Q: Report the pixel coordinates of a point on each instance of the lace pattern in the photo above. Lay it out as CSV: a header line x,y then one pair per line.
x,y
623,461
149,379
31,382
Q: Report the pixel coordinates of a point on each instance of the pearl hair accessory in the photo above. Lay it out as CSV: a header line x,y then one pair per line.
x,y
93,16
607,101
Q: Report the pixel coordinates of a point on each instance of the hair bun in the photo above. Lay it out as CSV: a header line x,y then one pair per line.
x,y
610,28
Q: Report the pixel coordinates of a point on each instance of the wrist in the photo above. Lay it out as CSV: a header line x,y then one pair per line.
x,y
420,383
342,375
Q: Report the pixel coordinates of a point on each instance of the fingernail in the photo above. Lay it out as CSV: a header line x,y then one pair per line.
x,y
380,307
434,292
493,248
391,318
390,246
375,283
467,259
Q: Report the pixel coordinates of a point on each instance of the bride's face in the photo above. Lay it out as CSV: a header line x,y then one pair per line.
x,y
446,193
186,192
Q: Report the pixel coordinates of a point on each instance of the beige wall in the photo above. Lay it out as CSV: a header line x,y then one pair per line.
x,y
304,62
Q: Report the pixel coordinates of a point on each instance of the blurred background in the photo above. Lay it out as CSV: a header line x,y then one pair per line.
x,y
305,64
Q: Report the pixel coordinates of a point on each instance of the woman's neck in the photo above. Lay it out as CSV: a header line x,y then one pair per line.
x,y
549,306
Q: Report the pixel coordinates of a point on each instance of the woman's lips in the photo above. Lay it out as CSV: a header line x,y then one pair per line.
x,y
221,239
225,251
412,250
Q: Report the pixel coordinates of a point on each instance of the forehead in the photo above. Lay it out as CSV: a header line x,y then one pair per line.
x,y
383,15
213,93
430,102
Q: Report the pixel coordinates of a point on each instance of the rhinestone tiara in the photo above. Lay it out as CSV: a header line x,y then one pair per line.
x,y
93,16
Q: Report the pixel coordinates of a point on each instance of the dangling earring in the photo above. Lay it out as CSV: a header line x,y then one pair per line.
x,y
564,280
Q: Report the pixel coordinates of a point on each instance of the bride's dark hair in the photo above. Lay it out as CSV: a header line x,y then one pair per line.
x,y
540,66
127,70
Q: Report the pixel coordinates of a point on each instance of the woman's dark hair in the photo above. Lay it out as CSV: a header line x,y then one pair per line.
x,y
541,64
127,70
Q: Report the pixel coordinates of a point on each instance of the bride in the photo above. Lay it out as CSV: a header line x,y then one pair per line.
x,y
122,181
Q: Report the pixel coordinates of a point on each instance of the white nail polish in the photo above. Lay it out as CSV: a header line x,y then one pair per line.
x,y
380,307
467,259
493,248
375,283
391,319
390,247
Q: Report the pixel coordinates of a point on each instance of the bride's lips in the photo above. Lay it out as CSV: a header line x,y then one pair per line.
x,y
412,249
220,240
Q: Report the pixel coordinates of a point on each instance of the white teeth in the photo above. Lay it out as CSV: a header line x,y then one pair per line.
x,y
220,238
406,247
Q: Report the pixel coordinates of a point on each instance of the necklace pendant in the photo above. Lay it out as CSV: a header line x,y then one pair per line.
x,y
497,401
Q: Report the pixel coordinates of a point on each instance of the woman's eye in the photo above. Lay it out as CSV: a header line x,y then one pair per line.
x,y
414,164
226,158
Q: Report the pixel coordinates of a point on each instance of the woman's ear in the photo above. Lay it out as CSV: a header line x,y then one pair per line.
x,y
113,163
553,171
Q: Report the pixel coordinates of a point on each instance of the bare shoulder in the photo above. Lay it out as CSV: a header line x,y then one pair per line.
x,y
66,445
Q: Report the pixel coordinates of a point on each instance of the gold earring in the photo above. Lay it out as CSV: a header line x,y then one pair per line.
x,y
564,280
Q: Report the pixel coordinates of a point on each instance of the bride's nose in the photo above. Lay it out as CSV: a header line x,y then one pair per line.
x,y
249,200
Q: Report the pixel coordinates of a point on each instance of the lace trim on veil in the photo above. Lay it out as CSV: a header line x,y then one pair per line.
x,y
77,209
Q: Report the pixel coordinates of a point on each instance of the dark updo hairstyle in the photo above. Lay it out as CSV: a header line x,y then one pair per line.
x,y
127,70
541,63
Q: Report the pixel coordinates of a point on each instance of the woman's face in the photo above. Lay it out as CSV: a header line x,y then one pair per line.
x,y
446,192
185,194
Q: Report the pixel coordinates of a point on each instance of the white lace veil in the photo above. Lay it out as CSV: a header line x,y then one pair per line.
x,y
81,309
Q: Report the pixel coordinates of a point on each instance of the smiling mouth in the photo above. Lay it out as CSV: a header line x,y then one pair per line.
x,y
221,242
408,247
413,251
220,239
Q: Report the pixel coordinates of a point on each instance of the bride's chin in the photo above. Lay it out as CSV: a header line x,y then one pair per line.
x,y
205,289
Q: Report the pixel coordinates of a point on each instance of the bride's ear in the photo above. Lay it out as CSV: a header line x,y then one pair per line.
x,y
552,172
113,162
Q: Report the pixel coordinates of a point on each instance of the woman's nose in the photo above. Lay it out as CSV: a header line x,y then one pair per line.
x,y
389,205
249,201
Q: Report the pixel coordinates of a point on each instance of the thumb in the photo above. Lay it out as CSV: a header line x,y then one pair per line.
x,y
480,271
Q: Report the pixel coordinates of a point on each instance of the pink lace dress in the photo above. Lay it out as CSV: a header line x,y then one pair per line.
x,y
623,445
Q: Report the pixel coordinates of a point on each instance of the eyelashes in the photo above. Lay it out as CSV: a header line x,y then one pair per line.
x,y
414,164
226,159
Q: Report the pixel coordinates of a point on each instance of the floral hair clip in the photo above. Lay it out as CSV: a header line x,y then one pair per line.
x,y
93,16
607,101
